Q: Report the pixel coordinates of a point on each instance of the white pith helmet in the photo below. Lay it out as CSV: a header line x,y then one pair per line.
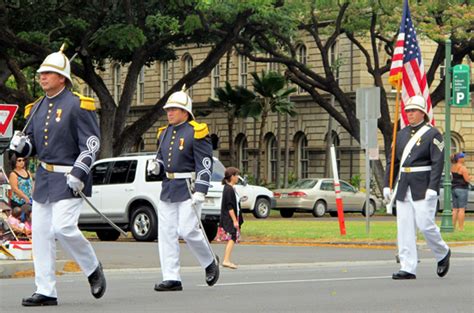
x,y
416,102
181,100
57,62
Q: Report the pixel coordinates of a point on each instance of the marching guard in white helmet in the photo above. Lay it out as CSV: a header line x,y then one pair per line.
x,y
184,154
419,161
63,133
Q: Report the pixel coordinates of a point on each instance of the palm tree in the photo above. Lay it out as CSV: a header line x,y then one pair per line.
x,y
231,100
274,98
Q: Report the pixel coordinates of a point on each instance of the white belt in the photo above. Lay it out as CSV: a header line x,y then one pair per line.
x,y
180,175
56,168
416,169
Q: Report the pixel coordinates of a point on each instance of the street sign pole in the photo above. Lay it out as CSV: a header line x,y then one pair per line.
x,y
446,220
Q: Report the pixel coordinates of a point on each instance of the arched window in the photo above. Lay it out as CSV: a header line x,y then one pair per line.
x,y
216,79
188,66
302,155
243,68
272,152
242,153
141,86
117,82
302,57
87,91
456,143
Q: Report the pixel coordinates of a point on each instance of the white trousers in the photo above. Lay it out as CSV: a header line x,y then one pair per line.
x,y
58,220
410,215
178,220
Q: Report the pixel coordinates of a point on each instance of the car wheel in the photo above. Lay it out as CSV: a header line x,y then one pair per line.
x,y
107,234
286,213
143,224
211,230
333,213
262,208
371,208
319,208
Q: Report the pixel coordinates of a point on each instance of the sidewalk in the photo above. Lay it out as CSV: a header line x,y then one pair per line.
x,y
113,257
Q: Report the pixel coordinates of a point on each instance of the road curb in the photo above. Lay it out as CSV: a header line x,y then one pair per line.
x,y
16,268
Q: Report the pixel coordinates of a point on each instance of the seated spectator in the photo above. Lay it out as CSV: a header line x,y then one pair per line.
x,y
20,182
18,227
26,215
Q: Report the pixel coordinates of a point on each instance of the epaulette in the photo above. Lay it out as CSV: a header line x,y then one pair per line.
x,y
200,129
28,107
86,102
160,130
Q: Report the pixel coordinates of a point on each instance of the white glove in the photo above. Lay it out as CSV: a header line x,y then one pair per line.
x,y
74,183
387,194
431,194
153,167
18,141
198,198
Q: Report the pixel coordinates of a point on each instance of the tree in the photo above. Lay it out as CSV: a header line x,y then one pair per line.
x,y
231,100
135,33
369,25
274,98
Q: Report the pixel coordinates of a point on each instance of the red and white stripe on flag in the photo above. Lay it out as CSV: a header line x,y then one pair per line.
x,y
407,67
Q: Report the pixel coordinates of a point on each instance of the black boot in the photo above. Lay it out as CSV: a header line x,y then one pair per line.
x,y
212,272
403,275
443,265
97,282
39,300
169,285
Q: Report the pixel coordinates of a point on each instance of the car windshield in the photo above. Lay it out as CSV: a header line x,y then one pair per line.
x,y
304,183
218,170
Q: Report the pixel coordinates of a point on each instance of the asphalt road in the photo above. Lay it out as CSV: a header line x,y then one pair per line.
x,y
269,279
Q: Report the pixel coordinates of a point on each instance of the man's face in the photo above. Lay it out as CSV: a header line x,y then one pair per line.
x,y
176,116
415,116
52,82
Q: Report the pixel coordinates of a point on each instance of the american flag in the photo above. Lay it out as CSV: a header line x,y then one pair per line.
x,y
407,66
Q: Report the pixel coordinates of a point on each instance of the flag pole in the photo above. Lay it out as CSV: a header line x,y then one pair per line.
x,y
395,125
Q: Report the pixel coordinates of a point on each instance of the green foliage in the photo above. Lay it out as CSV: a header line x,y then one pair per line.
x,y
191,24
232,99
355,181
124,38
160,23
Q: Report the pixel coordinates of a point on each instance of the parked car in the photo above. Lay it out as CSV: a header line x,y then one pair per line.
x,y
127,195
316,195
256,199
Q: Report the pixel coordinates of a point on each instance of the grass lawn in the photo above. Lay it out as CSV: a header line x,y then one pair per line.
x,y
282,230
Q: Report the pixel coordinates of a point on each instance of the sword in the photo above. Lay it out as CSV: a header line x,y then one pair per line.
x,y
195,210
83,196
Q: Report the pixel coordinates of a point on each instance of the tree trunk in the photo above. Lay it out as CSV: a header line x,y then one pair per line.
x,y
230,123
261,149
287,150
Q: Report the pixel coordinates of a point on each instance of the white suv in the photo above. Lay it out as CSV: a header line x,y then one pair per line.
x,y
127,195
259,200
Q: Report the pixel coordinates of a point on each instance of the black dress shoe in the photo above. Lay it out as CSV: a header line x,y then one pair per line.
x,y
443,265
169,285
403,275
39,300
212,272
97,282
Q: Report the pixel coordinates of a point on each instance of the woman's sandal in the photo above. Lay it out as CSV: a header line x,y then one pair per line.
x,y
230,265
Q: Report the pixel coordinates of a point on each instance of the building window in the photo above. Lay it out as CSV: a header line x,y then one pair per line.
x,y
243,68
243,154
87,91
272,150
165,83
188,66
442,70
216,79
141,86
302,156
117,75
272,66
301,56
456,143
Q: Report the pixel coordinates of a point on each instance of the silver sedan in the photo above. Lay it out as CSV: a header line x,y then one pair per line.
x,y
317,195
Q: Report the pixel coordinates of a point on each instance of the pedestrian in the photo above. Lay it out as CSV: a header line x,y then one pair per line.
x,y
231,218
185,156
64,135
21,182
419,163
460,188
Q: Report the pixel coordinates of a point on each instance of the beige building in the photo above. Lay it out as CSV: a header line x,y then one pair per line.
x,y
307,130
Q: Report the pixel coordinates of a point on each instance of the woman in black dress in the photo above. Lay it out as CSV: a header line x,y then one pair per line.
x,y
231,217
